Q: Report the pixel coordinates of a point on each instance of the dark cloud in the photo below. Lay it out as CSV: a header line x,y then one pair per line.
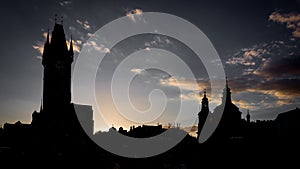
x,y
285,88
291,20
285,66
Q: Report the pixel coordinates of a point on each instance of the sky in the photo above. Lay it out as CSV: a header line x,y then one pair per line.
x,y
258,43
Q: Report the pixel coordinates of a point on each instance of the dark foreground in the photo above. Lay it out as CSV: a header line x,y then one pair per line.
x,y
236,153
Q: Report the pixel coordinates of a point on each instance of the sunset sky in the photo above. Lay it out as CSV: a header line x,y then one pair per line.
x,y
258,43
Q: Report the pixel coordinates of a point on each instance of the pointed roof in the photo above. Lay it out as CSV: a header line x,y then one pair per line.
x,y
41,108
204,96
57,46
226,94
248,115
46,45
47,40
71,47
227,82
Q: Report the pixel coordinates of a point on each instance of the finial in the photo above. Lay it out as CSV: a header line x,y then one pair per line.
x,y
226,82
204,92
41,108
55,18
62,19
71,46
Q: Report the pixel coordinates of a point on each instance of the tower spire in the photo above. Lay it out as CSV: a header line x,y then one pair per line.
x,y
46,48
41,108
48,41
248,116
71,47
61,20
226,83
55,18
202,115
226,93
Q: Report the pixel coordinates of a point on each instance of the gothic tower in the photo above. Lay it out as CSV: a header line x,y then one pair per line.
x,y
202,115
57,113
57,60
58,123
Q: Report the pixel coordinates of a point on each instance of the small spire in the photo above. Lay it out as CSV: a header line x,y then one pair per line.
x,y
55,18
61,19
48,37
71,46
226,82
204,92
248,116
41,108
46,45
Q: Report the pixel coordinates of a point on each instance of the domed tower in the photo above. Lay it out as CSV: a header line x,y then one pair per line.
x,y
248,116
202,115
230,123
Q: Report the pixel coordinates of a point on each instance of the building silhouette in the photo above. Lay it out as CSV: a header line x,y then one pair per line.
x,y
56,125
230,123
202,115
248,116
288,124
57,116
59,124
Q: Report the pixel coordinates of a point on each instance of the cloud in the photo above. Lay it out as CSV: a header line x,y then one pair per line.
x,y
248,71
284,18
39,45
244,104
194,91
240,60
65,3
291,20
89,34
135,14
248,56
76,47
192,95
250,53
85,24
286,66
39,57
192,130
256,94
265,75
137,70
251,60
182,83
281,88
98,47
296,33
158,42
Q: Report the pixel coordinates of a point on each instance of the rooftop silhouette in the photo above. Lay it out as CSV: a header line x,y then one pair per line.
x,y
56,133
